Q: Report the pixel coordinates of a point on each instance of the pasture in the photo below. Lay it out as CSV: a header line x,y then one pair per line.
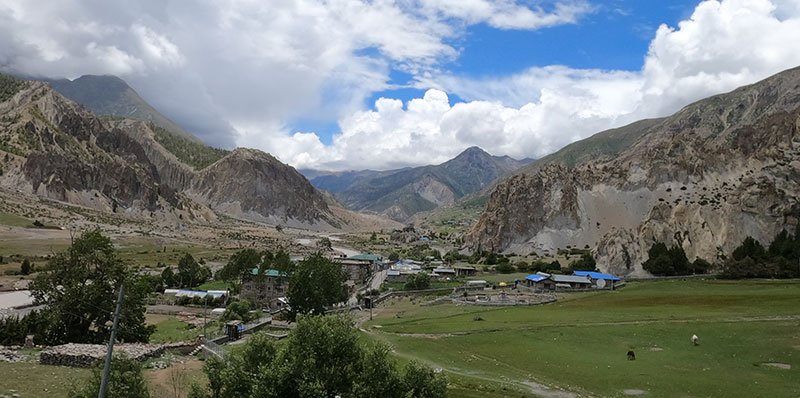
x,y
749,341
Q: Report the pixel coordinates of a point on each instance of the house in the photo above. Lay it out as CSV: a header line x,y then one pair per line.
x,y
401,269
540,282
571,281
356,269
465,270
373,259
444,272
599,279
264,289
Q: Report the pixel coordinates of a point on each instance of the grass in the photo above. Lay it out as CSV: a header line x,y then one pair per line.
x,y
30,379
580,342
13,220
169,329
213,285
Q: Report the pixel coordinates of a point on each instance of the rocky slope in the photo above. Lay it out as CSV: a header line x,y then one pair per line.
x,y
55,148
112,96
400,194
706,177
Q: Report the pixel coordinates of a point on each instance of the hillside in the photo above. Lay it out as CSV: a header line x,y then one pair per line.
x,y
400,194
112,96
704,178
56,149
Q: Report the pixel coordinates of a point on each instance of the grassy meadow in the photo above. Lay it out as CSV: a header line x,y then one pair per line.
x,y
579,344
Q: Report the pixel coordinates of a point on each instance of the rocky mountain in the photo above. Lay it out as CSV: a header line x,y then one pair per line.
x,y
399,194
55,148
704,178
111,96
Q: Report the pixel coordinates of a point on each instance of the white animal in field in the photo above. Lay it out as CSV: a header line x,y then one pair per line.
x,y
695,340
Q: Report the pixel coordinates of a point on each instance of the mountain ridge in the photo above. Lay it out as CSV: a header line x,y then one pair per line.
x,y
402,193
718,170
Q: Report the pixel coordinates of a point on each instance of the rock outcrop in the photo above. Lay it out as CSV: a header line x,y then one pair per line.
x,y
717,171
55,148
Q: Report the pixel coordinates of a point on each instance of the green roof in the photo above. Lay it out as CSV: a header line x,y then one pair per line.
x,y
366,257
269,272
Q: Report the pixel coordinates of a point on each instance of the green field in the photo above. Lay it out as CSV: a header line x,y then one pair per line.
x,y
29,379
580,343
14,220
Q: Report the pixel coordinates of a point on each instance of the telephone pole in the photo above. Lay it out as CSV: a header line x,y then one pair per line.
x,y
107,367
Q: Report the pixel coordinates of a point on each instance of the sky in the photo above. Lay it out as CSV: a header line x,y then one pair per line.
x,y
381,84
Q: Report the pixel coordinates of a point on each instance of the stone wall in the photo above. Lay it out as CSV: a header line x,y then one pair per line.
x,y
88,355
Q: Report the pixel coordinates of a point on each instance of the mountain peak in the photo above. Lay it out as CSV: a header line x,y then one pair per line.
x,y
473,151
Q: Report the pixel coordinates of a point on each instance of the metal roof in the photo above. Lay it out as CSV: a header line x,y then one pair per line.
x,y
597,275
536,278
570,279
269,272
366,257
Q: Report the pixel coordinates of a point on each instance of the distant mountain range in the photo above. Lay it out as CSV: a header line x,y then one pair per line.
x,y
400,194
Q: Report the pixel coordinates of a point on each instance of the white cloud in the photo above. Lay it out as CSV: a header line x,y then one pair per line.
x,y
237,71
218,66
723,45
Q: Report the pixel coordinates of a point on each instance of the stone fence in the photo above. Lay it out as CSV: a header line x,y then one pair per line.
x,y
88,355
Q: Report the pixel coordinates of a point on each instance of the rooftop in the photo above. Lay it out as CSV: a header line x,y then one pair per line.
x,y
366,257
597,275
269,272
569,279
536,278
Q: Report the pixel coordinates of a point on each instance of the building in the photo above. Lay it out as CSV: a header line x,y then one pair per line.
x,y
571,281
356,269
540,283
444,272
599,279
465,270
265,289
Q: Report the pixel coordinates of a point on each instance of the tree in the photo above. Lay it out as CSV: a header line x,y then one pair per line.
x,y
749,248
168,277
126,380
418,281
325,244
585,263
394,256
323,357
316,283
666,261
25,267
78,289
239,309
240,263
190,273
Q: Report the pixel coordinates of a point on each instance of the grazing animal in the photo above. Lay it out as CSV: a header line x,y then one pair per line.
x,y
695,340
631,356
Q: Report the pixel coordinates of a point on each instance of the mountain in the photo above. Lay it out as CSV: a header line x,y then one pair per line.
x,y
399,194
111,96
719,170
55,148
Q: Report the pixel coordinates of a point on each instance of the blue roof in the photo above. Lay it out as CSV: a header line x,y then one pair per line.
x,y
597,275
536,278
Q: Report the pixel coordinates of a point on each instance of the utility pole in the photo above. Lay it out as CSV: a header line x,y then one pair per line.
x,y
107,367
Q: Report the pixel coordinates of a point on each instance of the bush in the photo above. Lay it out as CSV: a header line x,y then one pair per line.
x,y
420,281
505,268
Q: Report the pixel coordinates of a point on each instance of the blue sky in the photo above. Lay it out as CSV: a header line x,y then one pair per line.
x,y
615,36
355,84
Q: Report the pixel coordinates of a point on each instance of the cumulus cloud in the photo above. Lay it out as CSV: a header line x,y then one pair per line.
x,y
236,72
233,71
723,45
